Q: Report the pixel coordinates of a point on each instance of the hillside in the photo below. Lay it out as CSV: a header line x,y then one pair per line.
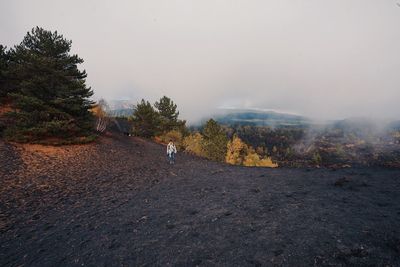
x,y
260,118
117,202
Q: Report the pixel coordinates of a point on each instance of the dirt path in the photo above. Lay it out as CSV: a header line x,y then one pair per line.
x,y
118,203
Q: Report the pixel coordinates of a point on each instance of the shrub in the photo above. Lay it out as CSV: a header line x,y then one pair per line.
x,y
173,135
193,144
236,151
267,162
252,159
317,159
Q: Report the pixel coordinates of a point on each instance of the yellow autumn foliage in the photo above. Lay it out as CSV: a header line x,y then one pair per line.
x,y
193,144
98,111
236,151
239,153
174,135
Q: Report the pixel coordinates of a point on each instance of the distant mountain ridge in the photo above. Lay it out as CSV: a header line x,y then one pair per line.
x,y
121,108
258,117
121,104
121,112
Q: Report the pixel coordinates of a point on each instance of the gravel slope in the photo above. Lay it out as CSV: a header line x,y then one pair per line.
x,y
118,203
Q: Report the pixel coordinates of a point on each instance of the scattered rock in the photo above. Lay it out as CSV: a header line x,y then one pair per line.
x,y
193,212
256,190
170,226
227,213
341,181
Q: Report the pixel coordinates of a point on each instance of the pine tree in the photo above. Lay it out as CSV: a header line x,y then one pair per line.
x,y
214,141
4,87
145,120
4,61
48,91
168,112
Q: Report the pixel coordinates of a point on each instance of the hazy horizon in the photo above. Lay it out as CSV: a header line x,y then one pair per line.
x,y
321,59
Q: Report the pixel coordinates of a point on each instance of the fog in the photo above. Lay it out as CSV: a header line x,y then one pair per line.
x,y
323,59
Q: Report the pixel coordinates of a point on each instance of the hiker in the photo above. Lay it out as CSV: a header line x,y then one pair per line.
x,y
171,151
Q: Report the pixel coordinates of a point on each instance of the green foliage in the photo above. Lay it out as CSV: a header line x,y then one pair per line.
x,y
47,90
4,61
146,120
167,110
162,119
214,141
316,158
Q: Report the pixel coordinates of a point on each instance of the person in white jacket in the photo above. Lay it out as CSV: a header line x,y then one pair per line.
x,y
171,151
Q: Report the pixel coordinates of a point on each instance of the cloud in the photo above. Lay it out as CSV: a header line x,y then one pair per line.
x,y
325,59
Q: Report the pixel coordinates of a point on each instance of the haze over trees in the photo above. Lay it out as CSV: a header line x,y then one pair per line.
x,y
44,99
48,98
45,90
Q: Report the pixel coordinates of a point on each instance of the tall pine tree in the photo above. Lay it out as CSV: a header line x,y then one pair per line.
x,y
3,72
168,112
214,141
48,91
146,120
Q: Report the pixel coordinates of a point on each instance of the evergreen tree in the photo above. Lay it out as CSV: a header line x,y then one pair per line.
x,y
214,141
48,91
4,88
167,110
145,120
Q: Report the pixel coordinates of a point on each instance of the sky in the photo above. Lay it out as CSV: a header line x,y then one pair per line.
x,y
324,59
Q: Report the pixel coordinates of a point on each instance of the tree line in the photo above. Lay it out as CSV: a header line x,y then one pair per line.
x,y
160,121
44,99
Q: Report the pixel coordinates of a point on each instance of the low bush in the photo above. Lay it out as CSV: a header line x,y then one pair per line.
x,y
193,144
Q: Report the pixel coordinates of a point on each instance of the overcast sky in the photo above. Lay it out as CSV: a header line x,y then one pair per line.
x,y
320,58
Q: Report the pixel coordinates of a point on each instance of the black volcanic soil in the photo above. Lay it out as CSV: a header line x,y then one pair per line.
x,y
118,203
